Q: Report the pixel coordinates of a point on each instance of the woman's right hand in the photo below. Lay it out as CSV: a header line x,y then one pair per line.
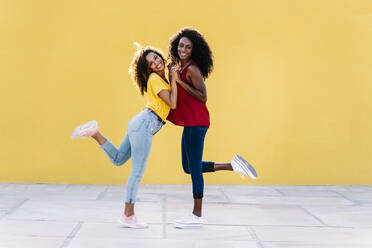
x,y
170,96
170,65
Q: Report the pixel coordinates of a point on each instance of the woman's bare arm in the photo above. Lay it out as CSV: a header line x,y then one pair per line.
x,y
198,88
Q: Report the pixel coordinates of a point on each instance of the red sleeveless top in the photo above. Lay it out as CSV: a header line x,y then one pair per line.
x,y
189,111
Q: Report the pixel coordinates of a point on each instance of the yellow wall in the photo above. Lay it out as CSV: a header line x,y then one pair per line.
x,y
291,90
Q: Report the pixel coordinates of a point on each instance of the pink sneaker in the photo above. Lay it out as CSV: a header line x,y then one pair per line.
x,y
86,130
131,222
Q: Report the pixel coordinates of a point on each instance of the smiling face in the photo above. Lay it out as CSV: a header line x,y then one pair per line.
x,y
155,63
184,48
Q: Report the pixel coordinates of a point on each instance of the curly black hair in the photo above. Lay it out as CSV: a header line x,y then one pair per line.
x,y
201,53
139,69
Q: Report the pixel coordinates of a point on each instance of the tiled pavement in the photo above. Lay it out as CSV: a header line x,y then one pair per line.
x,y
79,216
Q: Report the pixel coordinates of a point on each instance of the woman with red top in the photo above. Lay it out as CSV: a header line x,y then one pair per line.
x,y
191,52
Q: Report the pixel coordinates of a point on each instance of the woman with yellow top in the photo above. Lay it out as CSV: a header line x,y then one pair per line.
x,y
148,72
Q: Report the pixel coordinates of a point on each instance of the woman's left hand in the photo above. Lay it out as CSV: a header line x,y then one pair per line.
x,y
175,71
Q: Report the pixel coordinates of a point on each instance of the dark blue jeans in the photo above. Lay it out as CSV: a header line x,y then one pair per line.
x,y
192,154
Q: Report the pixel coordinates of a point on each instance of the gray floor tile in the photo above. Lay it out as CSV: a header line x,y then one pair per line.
x,y
209,232
60,215
177,194
290,200
117,231
346,216
20,187
117,188
8,202
226,244
30,242
86,188
120,196
50,195
35,228
3,186
315,235
228,214
164,243
309,193
210,196
65,195
311,187
358,197
44,187
359,187
129,243
308,245
249,191
87,211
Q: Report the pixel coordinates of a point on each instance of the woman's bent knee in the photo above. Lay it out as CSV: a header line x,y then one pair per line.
x,y
118,162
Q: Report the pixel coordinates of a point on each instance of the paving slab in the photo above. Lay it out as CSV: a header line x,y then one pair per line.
x,y
210,232
177,195
309,193
226,244
311,187
307,245
249,216
86,211
358,187
20,228
30,242
343,216
129,243
120,196
250,191
8,202
116,231
3,186
16,187
285,195
254,214
164,243
290,200
316,235
358,197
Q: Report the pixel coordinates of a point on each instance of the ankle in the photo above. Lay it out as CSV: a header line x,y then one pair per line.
x,y
99,138
95,135
129,214
197,213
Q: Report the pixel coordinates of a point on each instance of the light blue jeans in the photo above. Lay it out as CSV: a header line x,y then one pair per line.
x,y
136,144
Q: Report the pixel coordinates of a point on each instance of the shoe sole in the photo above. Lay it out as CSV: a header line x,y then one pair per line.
x,y
247,167
130,226
187,226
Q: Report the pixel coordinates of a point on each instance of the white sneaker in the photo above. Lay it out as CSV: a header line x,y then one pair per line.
x,y
131,222
240,165
190,221
86,130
